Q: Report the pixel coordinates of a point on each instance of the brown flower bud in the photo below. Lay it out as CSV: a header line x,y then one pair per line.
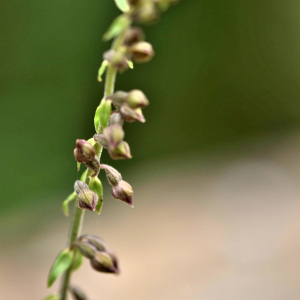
x,y
114,135
77,293
141,52
116,58
121,152
118,98
136,98
113,176
123,191
93,240
131,115
80,186
94,165
133,35
87,200
84,151
116,118
100,139
85,248
105,262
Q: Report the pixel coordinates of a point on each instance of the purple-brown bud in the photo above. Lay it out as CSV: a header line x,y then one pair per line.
x,y
93,240
133,35
94,165
77,293
80,186
87,200
105,262
121,152
123,191
131,115
141,52
84,151
85,248
114,135
118,98
136,99
99,138
116,118
116,58
113,176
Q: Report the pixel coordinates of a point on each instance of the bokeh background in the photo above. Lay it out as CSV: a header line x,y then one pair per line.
x,y
215,168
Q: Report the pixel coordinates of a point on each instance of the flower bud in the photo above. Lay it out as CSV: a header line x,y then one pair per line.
x,y
77,293
93,240
114,135
84,151
116,58
123,191
121,152
116,118
146,13
105,262
87,200
94,165
86,249
136,98
141,52
80,186
131,115
100,139
113,176
133,35
118,98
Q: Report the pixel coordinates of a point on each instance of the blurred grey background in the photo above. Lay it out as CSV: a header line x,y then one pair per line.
x,y
215,168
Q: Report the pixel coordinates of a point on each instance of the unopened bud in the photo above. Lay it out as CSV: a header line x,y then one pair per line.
x,y
77,293
116,58
94,240
113,176
86,249
131,115
121,152
84,151
105,262
87,200
146,13
114,135
123,191
116,118
141,52
136,98
133,35
80,186
100,139
94,165
118,98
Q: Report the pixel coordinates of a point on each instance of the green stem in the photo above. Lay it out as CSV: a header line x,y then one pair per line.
x,y
75,228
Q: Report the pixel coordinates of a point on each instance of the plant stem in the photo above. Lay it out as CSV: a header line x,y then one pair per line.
x,y
76,224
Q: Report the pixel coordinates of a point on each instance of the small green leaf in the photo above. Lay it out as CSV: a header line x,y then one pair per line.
x,y
83,175
91,141
52,297
78,260
61,264
65,204
96,187
78,166
102,69
102,114
118,25
123,5
130,64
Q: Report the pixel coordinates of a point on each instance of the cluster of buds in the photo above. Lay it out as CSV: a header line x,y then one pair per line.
x,y
101,258
129,108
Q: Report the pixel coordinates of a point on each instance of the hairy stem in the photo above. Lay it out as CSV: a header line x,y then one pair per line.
x,y
76,224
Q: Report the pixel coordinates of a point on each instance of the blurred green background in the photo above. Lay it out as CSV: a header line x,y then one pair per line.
x,y
224,71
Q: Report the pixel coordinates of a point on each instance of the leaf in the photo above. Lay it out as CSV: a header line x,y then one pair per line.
x,y
65,204
61,264
102,114
82,178
118,25
123,5
52,297
102,69
78,260
78,166
96,187
130,64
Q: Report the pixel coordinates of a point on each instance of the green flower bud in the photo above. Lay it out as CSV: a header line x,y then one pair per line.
x,y
100,139
94,240
94,165
141,52
123,191
105,262
131,115
121,152
80,186
113,176
116,118
133,35
84,151
114,135
136,99
116,58
87,200
77,293
146,13
85,248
